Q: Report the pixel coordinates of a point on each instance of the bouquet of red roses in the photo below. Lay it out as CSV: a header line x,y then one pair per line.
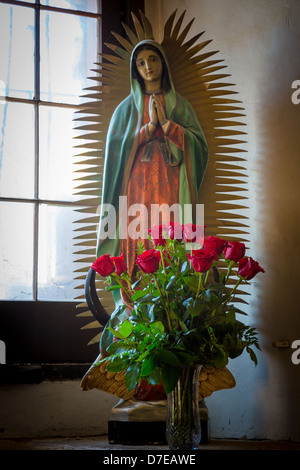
x,y
182,308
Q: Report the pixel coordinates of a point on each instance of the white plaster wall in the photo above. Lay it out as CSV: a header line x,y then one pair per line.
x,y
260,43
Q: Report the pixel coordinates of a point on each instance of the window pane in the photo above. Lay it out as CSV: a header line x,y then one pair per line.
x,y
56,259
68,52
81,5
16,150
56,153
16,251
16,51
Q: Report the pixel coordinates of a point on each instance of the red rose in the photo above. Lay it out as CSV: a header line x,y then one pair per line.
x,y
148,261
156,233
176,231
104,265
202,259
119,264
248,268
193,233
214,243
234,251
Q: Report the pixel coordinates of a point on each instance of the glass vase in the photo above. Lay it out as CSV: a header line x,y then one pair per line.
x,y
183,428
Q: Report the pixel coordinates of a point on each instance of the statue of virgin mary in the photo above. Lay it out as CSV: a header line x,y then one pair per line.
x,y
156,152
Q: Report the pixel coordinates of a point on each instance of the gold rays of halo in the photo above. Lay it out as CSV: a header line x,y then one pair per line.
x,y
197,76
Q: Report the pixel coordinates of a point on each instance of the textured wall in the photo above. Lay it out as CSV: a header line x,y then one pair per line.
x,y
260,43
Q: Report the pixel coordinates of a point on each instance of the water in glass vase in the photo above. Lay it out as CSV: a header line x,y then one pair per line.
x,y
183,429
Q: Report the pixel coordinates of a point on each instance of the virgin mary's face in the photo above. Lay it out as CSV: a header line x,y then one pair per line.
x,y
149,65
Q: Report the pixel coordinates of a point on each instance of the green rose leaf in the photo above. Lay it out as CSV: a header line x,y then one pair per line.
x,y
117,364
171,282
158,325
154,378
132,376
126,328
116,347
252,355
216,287
192,283
147,366
184,267
112,288
196,306
221,360
138,294
169,377
167,357
185,358
116,333
136,283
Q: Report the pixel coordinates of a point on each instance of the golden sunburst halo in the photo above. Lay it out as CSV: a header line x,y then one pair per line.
x,y
198,75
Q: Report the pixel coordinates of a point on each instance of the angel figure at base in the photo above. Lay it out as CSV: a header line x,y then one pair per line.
x,y
156,153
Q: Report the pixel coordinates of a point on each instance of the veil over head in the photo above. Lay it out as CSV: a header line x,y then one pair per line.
x,y
166,79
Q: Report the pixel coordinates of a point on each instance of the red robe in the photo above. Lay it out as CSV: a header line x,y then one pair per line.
x,y
152,180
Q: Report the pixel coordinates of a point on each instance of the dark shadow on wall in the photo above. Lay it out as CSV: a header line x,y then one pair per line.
x,y
277,196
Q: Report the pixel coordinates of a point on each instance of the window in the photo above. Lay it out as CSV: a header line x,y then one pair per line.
x,y
48,48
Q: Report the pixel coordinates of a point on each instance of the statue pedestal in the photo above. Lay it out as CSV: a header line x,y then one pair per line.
x,y
135,422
